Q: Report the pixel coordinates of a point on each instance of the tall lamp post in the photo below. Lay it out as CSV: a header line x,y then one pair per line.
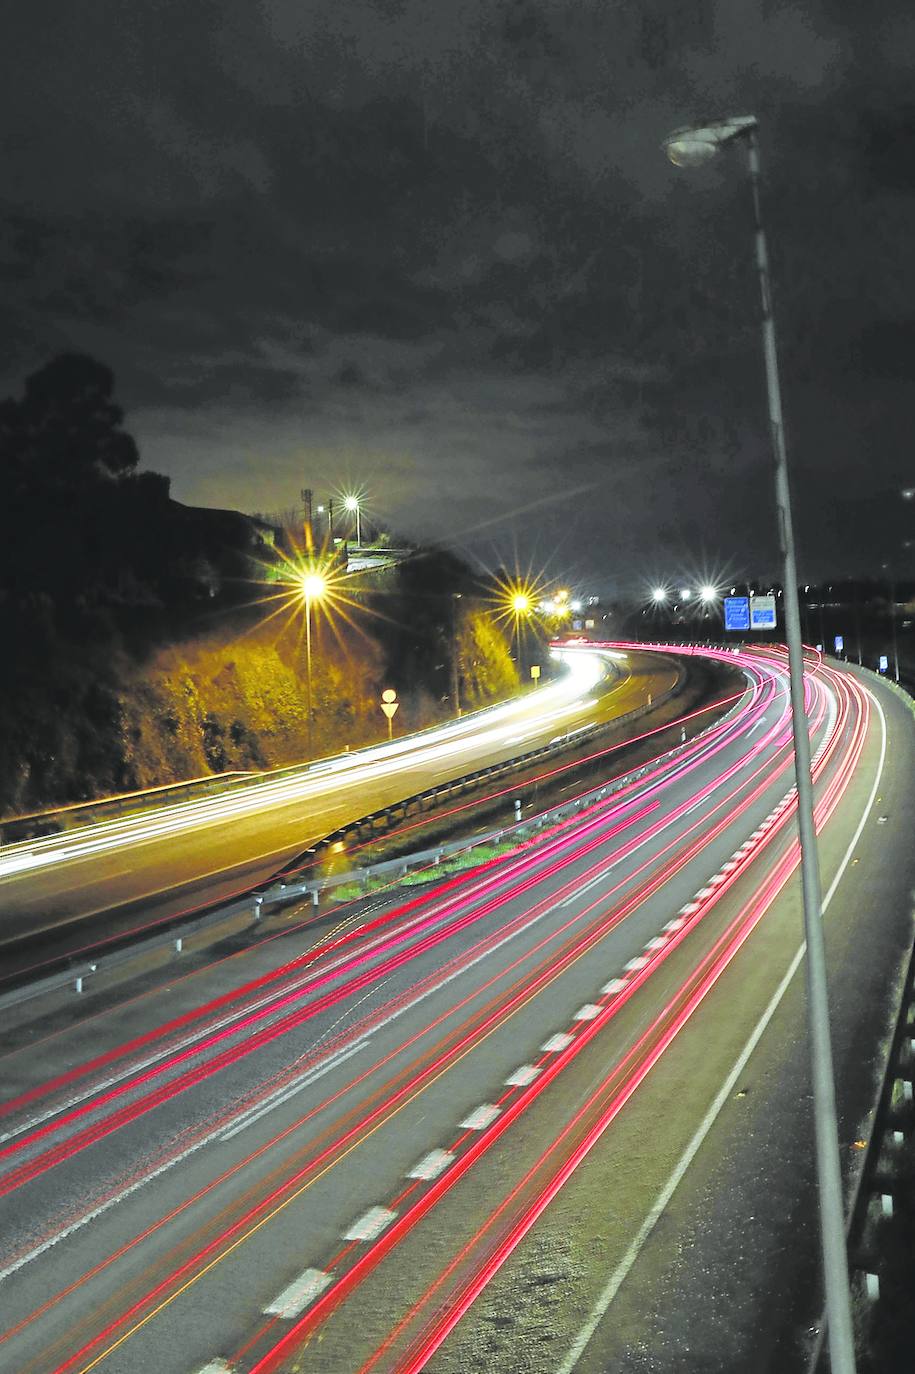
x,y
351,503
455,657
892,586
521,606
314,585
686,148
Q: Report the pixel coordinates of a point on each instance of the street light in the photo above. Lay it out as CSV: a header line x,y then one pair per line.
x,y
708,594
688,148
351,503
313,586
659,596
520,605
455,656
892,584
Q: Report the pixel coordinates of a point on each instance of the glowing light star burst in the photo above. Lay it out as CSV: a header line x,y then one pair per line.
x,y
517,599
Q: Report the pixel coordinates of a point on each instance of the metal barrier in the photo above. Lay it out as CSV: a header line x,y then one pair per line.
x,y
382,820
894,1117
294,885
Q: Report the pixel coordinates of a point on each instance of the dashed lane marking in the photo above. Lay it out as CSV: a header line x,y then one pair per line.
x,y
296,1297
431,1165
370,1224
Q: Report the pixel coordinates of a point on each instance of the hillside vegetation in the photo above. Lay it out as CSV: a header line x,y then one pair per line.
x,y
141,648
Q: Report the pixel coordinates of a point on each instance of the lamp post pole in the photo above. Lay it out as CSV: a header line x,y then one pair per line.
x,y
891,579
455,660
352,505
687,147
313,587
308,674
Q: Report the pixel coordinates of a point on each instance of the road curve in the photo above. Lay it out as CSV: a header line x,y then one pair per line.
x,y
320,1154
168,859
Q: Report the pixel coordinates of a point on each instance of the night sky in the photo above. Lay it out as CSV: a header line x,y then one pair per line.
x,y
433,248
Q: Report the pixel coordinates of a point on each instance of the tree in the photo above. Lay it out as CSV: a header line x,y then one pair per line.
x,y
66,427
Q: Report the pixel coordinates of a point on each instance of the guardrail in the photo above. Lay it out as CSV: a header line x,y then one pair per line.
x,y
382,820
295,884
37,824
894,1117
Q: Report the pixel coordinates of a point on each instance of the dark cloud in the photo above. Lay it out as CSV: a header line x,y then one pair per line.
x,y
434,248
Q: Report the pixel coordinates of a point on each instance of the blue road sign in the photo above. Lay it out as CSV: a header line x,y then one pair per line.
x,y
840,644
884,663
737,613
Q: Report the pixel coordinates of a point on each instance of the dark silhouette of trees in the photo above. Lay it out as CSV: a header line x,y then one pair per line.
x,y
67,424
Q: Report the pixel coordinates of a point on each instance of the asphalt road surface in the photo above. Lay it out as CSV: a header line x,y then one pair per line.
x,y
169,859
508,1122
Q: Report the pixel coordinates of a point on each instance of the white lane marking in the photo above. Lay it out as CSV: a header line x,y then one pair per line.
x,y
588,1012
704,892
661,1202
370,1224
676,924
557,1042
633,965
431,1165
296,1297
761,721
690,909
218,1366
657,943
586,887
524,1074
480,1117
615,985
285,1093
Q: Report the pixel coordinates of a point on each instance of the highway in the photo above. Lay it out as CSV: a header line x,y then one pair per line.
x,y
436,1130
167,859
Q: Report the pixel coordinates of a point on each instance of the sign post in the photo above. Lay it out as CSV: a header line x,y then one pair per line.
x,y
535,673
389,705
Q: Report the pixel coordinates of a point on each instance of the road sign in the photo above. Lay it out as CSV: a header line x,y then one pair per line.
x,y
737,613
840,644
762,612
389,705
884,663
535,671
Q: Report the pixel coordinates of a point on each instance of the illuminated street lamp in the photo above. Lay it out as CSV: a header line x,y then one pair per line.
x,y
659,596
351,503
687,148
313,587
707,595
520,605
685,594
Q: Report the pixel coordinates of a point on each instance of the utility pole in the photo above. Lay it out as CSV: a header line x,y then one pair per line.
x,y
308,519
